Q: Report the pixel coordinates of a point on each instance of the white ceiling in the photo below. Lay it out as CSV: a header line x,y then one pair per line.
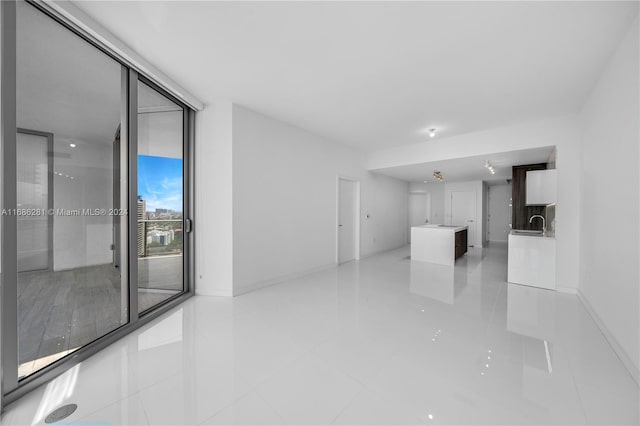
x,y
378,74
471,168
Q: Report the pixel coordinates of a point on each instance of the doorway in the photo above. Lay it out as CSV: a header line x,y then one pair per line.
x,y
499,212
419,210
463,212
348,225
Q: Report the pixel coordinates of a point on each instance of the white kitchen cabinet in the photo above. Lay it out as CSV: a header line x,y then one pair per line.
x,y
541,187
532,260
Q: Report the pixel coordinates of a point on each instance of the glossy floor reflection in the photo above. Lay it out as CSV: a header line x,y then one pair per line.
x,y
380,341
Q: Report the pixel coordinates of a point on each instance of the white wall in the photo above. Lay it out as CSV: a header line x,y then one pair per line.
x,y
477,187
284,201
437,198
562,132
213,221
609,203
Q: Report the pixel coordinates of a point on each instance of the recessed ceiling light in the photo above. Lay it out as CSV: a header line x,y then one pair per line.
x,y
72,145
425,181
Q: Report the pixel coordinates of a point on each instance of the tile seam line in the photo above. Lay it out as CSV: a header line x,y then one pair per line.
x,y
575,386
235,400
102,407
348,404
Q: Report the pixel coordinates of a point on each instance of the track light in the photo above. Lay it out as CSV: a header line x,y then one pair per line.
x,y
489,167
437,176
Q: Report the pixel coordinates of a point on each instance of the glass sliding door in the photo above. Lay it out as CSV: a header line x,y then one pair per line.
x,y
160,233
95,196
68,96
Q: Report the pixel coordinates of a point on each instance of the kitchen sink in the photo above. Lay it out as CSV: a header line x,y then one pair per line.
x,y
527,232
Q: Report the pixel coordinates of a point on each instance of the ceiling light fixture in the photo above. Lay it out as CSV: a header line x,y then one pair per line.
x,y
432,133
489,167
438,176
72,145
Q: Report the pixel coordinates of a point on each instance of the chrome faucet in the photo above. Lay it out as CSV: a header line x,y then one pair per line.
x,y
544,227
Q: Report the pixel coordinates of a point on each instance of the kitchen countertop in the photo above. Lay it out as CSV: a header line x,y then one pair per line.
x,y
442,227
526,234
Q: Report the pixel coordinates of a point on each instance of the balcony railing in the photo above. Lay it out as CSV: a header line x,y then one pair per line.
x,y
159,237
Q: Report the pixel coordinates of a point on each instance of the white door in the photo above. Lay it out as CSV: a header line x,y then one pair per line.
x,y
346,220
419,210
499,212
463,212
32,152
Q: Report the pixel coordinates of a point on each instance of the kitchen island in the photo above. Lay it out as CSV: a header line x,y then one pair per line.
x,y
441,244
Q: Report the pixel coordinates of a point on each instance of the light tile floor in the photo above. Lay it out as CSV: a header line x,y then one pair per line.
x,y
380,341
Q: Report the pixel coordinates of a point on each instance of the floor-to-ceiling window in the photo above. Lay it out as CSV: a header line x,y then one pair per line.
x,y
69,290
95,197
160,197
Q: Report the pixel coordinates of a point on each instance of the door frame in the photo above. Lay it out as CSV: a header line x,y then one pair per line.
x,y
356,218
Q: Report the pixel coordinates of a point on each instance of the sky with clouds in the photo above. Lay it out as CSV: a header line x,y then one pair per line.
x,y
160,182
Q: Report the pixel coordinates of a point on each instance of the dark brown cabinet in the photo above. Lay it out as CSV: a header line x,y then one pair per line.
x,y
520,212
461,243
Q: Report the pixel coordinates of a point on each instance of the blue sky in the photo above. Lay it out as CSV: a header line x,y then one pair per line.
x,y
160,182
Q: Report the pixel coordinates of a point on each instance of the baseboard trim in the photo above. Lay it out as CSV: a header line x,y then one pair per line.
x,y
375,253
613,342
568,290
215,293
266,283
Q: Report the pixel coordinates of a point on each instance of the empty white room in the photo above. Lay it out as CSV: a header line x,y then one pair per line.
x,y
314,213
